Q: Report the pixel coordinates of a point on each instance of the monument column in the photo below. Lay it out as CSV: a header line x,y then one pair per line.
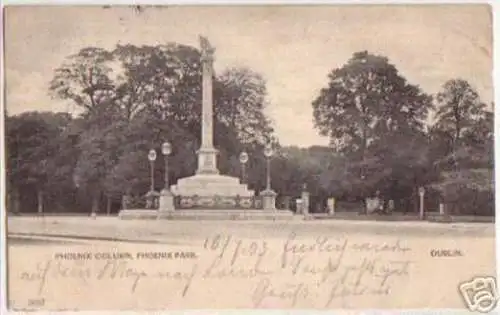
x,y
207,154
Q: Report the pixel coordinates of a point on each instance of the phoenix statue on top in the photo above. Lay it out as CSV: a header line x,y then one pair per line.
x,y
207,50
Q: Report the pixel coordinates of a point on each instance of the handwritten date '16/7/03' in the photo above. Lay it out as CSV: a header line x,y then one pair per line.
x,y
309,278
294,272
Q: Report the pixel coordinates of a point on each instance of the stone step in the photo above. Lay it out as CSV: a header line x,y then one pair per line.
x,y
211,185
210,193
209,214
209,179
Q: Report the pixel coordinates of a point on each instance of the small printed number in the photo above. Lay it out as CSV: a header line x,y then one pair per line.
x,y
36,302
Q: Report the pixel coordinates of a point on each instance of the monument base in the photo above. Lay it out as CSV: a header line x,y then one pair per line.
x,y
203,214
138,214
208,185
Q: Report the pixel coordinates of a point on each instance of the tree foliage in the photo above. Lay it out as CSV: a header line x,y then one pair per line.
x,y
365,101
375,119
133,98
85,80
463,132
378,124
34,164
459,109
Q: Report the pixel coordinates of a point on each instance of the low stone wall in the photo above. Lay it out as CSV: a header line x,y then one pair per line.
x,y
206,214
141,214
431,216
227,215
460,218
364,217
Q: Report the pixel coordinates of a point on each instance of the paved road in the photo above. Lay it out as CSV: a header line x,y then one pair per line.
x,y
111,228
42,240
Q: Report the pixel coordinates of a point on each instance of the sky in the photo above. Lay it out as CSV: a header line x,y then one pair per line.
x,y
293,47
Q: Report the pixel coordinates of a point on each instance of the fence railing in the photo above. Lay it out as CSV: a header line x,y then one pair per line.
x,y
217,202
151,201
140,202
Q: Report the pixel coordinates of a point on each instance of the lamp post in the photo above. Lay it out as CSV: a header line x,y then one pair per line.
x,y
305,200
152,159
421,193
269,196
364,210
166,199
243,161
268,153
166,149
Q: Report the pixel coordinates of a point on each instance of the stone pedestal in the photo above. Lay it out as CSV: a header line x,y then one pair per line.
x,y
305,202
444,216
207,185
391,206
166,201
268,199
373,205
421,210
126,200
331,206
298,206
207,161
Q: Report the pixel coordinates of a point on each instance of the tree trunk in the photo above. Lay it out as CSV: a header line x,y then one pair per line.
x,y
95,203
39,196
415,200
17,201
108,205
14,204
364,145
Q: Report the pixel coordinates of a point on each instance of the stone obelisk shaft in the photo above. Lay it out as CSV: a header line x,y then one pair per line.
x,y
207,155
207,109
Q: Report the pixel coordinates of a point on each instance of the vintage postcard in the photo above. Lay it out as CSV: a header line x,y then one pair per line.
x,y
249,157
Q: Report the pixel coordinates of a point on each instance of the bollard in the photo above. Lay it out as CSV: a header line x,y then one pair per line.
x,y
331,206
298,206
391,206
421,193
305,203
441,209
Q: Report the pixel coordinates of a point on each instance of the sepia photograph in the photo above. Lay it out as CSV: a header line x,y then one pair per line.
x,y
286,157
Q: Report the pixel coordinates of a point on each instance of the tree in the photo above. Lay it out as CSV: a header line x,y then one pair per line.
x,y
462,138
162,78
240,102
100,150
463,128
459,108
135,97
367,110
240,96
365,100
86,79
33,140
146,131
